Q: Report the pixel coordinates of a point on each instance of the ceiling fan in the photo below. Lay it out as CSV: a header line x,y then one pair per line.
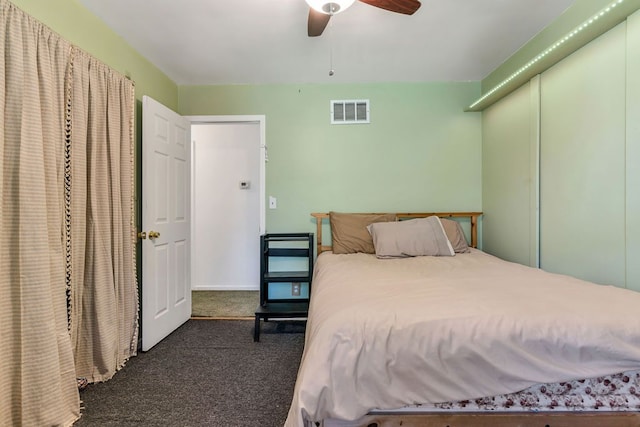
x,y
321,11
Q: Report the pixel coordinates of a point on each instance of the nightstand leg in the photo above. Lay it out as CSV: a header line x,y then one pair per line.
x,y
256,329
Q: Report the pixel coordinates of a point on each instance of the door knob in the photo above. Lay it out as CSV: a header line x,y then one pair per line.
x,y
142,235
154,234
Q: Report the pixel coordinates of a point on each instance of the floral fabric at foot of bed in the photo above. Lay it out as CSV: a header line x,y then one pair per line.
x,y
619,392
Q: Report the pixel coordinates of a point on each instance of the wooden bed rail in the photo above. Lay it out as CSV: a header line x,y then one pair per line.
x,y
473,219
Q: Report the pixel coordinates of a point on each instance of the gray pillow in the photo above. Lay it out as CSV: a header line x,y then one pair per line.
x,y
414,237
454,233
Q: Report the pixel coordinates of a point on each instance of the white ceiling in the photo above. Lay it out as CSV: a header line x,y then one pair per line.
x,y
210,42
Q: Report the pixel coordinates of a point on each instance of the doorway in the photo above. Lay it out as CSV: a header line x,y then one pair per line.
x,y
227,203
168,214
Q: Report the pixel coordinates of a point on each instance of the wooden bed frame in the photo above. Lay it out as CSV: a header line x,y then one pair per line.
x,y
472,216
482,419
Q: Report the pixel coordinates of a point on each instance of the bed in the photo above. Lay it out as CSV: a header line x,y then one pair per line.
x,y
461,340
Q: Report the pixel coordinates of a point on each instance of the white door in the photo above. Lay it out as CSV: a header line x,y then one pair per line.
x,y
166,287
226,191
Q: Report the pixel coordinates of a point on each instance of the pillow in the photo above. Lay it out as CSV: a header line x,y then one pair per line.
x,y
454,233
349,232
414,237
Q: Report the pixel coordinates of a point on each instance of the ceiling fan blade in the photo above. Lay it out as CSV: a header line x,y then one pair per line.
x,y
317,22
407,7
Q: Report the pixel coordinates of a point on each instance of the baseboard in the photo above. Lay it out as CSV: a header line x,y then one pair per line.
x,y
237,287
222,318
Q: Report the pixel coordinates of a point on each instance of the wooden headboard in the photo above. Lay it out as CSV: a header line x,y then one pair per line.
x,y
473,218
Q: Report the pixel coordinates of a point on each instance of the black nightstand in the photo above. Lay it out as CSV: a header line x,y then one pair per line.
x,y
283,245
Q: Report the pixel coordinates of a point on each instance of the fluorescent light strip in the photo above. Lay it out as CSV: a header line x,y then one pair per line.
x,y
548,50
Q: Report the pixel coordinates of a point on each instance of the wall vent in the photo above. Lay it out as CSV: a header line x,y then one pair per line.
x,y
347,112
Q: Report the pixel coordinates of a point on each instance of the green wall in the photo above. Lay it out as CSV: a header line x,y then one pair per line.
x,y
420,152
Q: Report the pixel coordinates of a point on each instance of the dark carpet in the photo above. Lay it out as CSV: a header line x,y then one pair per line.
x,y
206,373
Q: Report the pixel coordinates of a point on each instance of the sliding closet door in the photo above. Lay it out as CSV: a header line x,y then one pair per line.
x,y
633,152
509,176
582,162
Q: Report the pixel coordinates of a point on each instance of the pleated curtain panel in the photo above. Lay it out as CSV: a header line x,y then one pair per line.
x,y
68,290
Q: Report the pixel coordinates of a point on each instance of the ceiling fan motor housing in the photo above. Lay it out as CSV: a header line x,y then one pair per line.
x,y
330,7
321,11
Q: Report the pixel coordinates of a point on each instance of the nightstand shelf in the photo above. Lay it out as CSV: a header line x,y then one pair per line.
x,y
283,245
286,276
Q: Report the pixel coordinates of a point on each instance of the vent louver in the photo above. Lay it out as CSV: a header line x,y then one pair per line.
x,y
352,111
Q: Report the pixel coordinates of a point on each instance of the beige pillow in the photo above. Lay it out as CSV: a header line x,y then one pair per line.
x,y
454,233
414,237
349,232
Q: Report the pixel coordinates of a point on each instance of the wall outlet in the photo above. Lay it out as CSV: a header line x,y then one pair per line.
x,y
295,289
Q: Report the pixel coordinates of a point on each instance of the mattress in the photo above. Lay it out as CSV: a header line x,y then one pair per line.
x,y
424,331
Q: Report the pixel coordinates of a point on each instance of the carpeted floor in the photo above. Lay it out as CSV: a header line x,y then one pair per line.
x,y
206,373
224,304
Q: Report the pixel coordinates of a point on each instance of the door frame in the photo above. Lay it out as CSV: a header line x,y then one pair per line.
x,y
261,120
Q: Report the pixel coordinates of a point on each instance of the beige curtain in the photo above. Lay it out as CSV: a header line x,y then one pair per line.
x,y
68,293
104,291
37,375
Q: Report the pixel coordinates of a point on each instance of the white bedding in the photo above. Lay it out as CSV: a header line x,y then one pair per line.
x,y
384,334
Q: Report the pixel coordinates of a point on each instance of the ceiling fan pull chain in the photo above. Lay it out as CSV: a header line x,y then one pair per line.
x,y
331,71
